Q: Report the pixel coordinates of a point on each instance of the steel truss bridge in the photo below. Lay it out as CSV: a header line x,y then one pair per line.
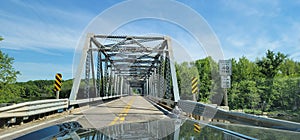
x,y
111,71
117,64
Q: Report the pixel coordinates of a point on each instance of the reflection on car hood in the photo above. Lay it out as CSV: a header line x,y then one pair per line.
x,y
157,129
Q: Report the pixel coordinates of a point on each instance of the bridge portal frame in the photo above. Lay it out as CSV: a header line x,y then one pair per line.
x,y
127,63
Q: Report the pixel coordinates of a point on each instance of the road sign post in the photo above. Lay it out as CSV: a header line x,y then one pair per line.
x,y
225,72
57,84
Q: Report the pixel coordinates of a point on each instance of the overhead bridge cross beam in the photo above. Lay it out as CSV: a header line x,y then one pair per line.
x,y
114,65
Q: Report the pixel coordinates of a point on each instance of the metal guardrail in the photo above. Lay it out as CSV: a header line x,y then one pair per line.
x,y
243,118
33,108
43,106
84,101
215,112
199,109
228,133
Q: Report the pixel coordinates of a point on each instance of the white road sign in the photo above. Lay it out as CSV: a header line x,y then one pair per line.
x,y
225,82
225,67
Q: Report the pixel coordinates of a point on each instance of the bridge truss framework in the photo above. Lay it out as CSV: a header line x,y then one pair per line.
x,y
114,65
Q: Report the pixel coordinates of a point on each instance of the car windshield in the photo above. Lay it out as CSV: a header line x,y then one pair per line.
x,y
149,69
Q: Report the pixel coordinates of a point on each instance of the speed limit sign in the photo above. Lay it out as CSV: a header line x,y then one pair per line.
x,y
225,67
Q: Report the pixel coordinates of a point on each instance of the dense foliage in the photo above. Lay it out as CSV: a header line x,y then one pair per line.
x,y
269,83
33,90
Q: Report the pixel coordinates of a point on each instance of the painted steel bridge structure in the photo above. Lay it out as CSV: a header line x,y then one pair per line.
x,y
118,64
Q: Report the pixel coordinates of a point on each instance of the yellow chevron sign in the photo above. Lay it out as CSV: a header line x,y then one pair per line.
x,y
197,128
194,85
58,80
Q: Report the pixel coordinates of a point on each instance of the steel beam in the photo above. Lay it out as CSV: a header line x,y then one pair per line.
x,y
124,37
144,67
80,67
87,75
173,72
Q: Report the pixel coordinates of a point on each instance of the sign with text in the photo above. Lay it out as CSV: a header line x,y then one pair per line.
x,y
225,82
225,67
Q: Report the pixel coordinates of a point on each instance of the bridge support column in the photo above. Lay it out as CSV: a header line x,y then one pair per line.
x,y
151,86
154,84
173,71
115,83
106,78
87,75
109,87
99,75
77,77
121,84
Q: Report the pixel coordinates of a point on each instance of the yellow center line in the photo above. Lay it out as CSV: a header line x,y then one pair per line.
x,y
123,114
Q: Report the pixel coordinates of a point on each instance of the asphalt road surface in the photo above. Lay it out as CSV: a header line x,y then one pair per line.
x,y
123,110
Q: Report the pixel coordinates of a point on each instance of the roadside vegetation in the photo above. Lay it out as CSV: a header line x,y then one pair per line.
x,y
12,91
270,84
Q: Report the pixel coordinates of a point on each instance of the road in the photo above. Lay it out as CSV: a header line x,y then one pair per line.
x,y
123,110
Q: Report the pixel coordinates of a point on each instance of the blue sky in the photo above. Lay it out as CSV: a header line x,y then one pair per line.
x,y
43,35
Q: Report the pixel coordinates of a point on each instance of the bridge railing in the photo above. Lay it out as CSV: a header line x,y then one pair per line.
x,y
33,108
17,113
84,101
214,112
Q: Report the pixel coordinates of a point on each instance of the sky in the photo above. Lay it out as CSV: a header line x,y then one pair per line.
x,y
43,35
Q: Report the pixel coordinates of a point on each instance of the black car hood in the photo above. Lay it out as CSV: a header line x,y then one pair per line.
x,y
156,129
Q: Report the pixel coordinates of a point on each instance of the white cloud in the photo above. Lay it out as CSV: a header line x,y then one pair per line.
x,y
42,29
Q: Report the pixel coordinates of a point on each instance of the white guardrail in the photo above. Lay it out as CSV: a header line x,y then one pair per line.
x,y
83,101
43,106
215,112
33,108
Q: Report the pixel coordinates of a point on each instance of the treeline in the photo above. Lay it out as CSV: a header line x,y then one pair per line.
x,y
33,90
269,83
15,92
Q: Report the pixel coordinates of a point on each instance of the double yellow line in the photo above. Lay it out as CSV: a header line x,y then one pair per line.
x,y
123,114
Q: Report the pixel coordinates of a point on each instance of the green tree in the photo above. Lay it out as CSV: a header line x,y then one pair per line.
x,y
185,72
269,67
8,76
7,72
208,80
205,79
288,68
270,64
243,92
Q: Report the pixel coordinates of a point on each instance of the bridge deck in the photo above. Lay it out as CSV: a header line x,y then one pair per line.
x,y
124,110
